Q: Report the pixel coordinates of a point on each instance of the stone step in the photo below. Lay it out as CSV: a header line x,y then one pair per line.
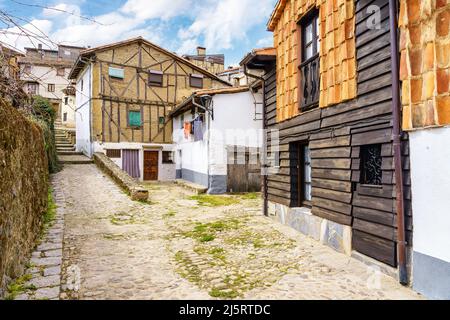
x,y
196,188
70,153
75,159
64,144
65,149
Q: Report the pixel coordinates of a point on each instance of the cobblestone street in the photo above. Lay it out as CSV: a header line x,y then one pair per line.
x,y
180,246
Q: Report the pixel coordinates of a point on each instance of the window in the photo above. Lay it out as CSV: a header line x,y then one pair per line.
x,y
82,84
65,116
116,73
300,156
162,120
113,153
51,87
134,119
167,157
61,72
309,67
27,70
66,101
182,121
371,161
155,78
32,88
196,81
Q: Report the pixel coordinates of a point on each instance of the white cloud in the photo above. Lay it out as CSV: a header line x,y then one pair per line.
x,y
220,23
28,35
265,42
156,9
216,24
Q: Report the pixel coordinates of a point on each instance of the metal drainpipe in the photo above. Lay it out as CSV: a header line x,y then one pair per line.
x,y
265,180
401,241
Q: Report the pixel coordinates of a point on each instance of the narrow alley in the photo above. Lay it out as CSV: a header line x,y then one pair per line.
x,y
181,246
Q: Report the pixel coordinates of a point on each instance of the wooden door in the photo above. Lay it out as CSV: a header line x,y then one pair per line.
x,y
151,161
244,171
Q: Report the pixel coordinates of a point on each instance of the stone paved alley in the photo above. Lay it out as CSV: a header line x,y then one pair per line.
x,y
183,247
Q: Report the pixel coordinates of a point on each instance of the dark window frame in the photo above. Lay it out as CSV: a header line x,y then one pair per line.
x,y
60,72
298,169
167,157
196,77
370,156
309,67
51,87
153,75
114,153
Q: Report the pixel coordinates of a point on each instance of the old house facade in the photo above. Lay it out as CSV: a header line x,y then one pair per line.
x,y
45,72
218,137
214,63
125,93
329,98
424,72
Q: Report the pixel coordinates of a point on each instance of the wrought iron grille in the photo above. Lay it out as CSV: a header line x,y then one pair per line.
x,y
371,161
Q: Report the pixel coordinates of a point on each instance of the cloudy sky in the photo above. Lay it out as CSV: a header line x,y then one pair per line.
x,y
232,27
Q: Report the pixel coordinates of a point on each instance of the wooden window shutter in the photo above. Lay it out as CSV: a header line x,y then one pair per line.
x,y
116,73
196,81
155,78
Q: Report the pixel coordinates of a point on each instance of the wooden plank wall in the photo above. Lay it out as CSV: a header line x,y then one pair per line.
x,y
335,135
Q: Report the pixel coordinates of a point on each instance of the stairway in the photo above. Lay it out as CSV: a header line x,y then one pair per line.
x,y
66,149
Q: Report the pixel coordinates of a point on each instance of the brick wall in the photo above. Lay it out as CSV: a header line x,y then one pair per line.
x,y
338,63
425,62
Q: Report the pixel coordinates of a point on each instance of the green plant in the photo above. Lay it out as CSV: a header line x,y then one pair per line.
x,y
214,201
49,215
18,286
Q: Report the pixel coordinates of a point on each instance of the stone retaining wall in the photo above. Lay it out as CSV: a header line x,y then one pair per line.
x,y
23,190
122,178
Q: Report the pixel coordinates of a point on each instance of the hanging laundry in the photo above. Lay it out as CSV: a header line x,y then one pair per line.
x,y
198,129
187,129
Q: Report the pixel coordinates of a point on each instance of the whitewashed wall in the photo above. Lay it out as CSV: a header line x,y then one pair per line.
x,y
69,109
166,172
83,112
430,179
234,124
45,75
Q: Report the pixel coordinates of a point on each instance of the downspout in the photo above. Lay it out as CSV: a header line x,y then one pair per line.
x,y
401,241
265,180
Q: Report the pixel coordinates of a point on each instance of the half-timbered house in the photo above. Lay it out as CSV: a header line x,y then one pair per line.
x,y
331,99
125,93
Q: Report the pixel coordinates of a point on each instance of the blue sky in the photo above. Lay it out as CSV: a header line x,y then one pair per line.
x,y
232,27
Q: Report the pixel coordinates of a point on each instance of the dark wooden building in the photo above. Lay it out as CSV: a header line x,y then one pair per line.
x,y
333,172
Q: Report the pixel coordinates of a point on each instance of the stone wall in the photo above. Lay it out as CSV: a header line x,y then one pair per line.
x,y
123,179
23,190
337,52
425,62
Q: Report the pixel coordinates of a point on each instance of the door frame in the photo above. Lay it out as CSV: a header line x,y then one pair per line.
x,y
157,151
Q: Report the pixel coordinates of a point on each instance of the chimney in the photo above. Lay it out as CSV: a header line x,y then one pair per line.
x,y
201,51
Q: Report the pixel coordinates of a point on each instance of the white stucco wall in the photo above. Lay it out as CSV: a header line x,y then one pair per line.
x,y
46,75
166,172
234,124
194,154
68,109
430,175
82,113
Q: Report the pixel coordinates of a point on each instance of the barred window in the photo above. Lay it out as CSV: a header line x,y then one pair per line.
x,y
113,153
371,161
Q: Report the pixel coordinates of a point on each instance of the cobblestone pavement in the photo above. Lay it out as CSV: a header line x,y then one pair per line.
x,y
44,269
180,247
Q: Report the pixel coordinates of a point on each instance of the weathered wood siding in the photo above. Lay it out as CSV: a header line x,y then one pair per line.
x,y
335,135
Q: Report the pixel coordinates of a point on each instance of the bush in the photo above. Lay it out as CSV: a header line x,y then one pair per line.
x,y
44,116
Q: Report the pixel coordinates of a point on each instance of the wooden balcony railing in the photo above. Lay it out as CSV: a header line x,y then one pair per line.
x,y
310,83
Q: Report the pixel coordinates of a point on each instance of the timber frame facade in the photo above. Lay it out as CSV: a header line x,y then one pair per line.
x,y
130,89
347,205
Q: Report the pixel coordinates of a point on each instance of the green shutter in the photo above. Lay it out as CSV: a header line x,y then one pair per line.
x,y
134,119
116,73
